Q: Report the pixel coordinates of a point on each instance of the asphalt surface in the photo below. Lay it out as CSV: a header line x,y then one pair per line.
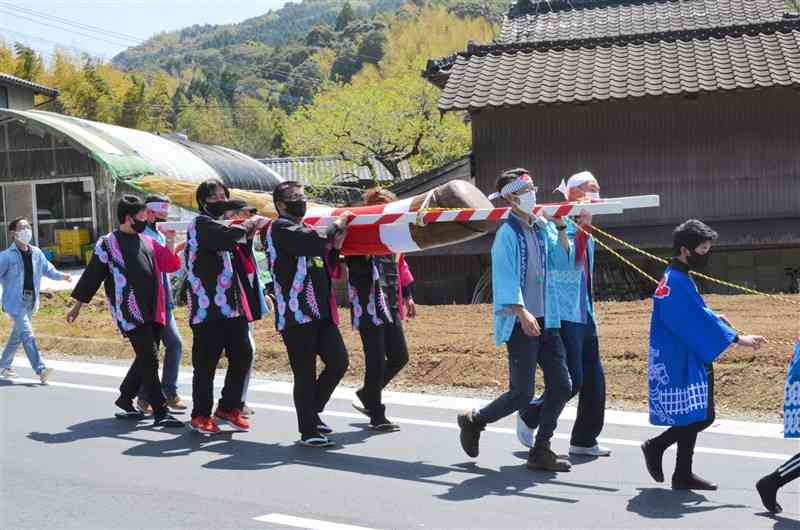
x,y
66,462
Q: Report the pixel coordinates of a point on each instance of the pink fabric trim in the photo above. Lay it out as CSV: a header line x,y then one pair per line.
x,y
336,271
405,278
163,261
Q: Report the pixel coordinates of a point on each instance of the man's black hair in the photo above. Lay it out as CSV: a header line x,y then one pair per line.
x,y
507,176
283,190
12,226
156,197
207,188
129,205
691,234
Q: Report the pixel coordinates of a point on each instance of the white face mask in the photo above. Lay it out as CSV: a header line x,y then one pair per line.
x,y
24,236
593,195
527,201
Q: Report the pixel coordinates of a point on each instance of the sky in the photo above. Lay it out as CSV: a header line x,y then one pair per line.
x,y
104,28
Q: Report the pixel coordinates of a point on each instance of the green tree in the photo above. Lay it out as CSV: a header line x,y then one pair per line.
x,y
346,16
133,112
206,121
29,63
159,105
258,129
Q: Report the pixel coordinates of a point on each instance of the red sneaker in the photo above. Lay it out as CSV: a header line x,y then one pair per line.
x,y
234,419
205,425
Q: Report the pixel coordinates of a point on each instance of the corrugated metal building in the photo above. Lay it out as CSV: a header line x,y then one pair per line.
x,y
694,100
65,172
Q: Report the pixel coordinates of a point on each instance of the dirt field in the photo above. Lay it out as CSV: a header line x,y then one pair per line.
x,y
452,350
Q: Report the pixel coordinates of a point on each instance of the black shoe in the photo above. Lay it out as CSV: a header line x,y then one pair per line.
x,y
470,433
541,457
129,411
164,419
323,427
653,460
692,482
383,425
768,490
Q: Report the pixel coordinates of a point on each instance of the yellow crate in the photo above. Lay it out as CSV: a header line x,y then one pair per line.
x,y
69,249
72,236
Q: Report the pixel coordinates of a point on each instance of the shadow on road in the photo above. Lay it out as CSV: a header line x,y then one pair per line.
x,y
660,503
781,522
245,455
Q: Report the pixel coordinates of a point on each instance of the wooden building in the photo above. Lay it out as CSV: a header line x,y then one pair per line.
x,y
694,100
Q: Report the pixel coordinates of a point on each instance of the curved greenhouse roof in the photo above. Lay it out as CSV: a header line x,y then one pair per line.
x,y
129,153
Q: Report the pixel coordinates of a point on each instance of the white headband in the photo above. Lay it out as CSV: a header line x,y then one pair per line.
x,y
521,182
158,207
575,181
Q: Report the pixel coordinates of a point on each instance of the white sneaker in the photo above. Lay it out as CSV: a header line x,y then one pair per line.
x,y
589,451
524,433
8,373
44,375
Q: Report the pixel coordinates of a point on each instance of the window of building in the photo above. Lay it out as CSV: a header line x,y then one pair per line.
x,y
3,97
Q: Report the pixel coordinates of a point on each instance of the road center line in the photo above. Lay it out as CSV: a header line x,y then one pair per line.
x,y
441,424
309,524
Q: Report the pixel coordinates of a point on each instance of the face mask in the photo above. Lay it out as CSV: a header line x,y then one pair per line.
x,y
218,209
24,236
138,226
698,262
527,201
593,195
296,209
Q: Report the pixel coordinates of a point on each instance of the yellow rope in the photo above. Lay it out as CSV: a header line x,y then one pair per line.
x,y
699,275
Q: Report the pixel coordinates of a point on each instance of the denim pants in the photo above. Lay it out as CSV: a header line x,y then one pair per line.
x,y
588,383
22,333
524,353
173,350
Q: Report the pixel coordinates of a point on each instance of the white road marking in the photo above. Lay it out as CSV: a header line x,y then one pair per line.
x,y
302,522
432,401
441,424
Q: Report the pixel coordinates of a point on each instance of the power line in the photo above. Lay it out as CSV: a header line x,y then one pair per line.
x,y
72,31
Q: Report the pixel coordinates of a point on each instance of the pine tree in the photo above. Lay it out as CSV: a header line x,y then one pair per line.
x,y
346,16
29,63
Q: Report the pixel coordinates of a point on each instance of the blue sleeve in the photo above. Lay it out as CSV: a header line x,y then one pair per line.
x,y
685,315
48,269
559,258
505,269
3,264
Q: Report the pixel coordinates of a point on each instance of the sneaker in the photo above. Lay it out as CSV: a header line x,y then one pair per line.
x,y
768,491
653,460
8,373
144,406
470,433
165,419
358,404
176,403
524,433
316,440
247,411
204,424
233,418
542,458
595,450
44,375
692,482
129,412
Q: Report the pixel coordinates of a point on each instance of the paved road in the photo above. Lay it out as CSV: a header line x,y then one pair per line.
x,y
66,463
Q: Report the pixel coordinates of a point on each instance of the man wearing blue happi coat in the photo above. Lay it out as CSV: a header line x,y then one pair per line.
x,y
686,337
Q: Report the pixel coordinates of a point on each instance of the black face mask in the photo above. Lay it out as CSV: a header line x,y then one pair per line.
x,y
218,209
296,209
698,262
138,226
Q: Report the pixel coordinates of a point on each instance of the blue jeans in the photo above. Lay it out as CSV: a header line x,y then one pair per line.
x,y
22,333
173,350
588,383
524,353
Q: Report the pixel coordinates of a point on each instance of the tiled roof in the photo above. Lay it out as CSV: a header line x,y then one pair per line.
x,y
548,21
8,79
533,74
315,170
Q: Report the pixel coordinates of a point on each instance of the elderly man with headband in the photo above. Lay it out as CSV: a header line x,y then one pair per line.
x,y
527,250
578,331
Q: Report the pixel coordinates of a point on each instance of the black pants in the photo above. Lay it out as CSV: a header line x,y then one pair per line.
x,y
686,436
385,354
209,340
311,393
144,370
